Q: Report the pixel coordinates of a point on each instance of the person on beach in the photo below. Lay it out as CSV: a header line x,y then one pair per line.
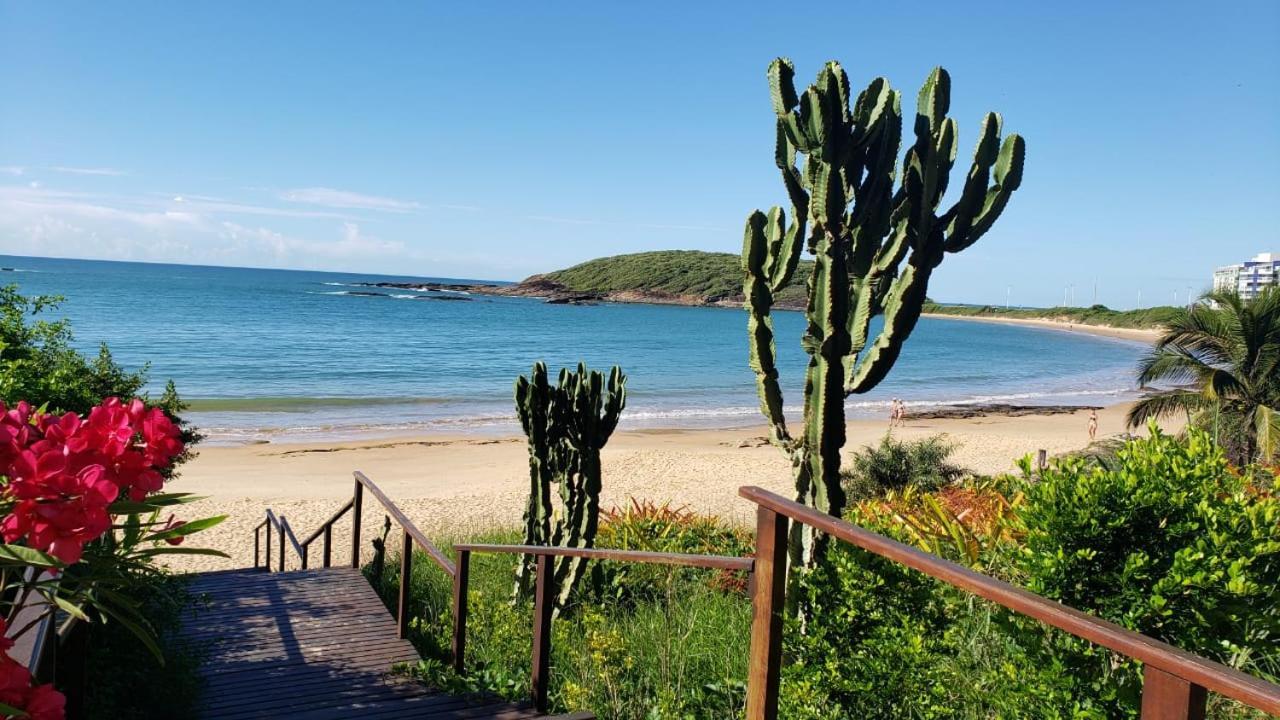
x,y
902,412
1093,425
893,412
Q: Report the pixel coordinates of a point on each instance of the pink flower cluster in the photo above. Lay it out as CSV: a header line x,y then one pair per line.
x,y
39,702
64,471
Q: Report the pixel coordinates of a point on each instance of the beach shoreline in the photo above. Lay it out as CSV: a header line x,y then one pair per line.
x,y
456,485
1142,335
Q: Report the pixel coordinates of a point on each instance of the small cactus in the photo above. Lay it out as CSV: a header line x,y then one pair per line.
x,y
566,424
874,247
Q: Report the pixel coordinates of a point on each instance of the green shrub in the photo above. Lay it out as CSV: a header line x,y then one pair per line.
x,y
897,464
881,640
39,364
650,527
124,678
1169,542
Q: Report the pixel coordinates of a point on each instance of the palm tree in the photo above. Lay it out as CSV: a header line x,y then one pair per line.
x,y
1223,356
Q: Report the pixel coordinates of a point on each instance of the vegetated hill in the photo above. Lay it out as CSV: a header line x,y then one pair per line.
x,y
1145,318
679,276
695,277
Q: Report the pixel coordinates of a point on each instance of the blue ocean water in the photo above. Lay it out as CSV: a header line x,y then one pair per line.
x,y
283,354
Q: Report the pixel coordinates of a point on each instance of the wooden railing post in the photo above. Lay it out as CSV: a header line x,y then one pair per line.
x,y
328,544
1169,697
306,556
461,577
281,521
357,502
406,575
543,604
266,559
767,600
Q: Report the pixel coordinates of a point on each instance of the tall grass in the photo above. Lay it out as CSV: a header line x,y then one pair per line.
x,y
676,650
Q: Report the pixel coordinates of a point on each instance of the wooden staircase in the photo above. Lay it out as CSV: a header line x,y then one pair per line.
x,y
312,645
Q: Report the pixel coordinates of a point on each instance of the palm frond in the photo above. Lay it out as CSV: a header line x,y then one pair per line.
x,y
1173,364
1163,404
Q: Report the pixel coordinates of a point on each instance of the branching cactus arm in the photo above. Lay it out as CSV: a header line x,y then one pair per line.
x,y
874,246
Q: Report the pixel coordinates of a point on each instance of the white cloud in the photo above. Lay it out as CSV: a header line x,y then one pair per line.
x,y
330,197
12,170
290,251
87,171
63,224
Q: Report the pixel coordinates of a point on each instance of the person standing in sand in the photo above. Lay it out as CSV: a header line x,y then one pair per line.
x,y
893,412
1093,425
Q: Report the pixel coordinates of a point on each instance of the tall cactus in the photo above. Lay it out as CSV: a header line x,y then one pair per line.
x,y
874,247
566,425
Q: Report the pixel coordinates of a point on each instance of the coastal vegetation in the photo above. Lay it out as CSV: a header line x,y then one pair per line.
x,y
1223,358
1100,315
692,276
695,277
39,364
1169,539
874,249
923,464
84,515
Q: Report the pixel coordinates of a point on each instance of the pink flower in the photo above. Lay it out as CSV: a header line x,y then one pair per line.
x,y
65,471
170,524
45,703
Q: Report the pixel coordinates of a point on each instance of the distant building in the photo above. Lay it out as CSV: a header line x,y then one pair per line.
x,y
1250,277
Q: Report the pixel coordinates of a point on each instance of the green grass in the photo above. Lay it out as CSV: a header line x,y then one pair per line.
x,y
1146,318
677,653
706,276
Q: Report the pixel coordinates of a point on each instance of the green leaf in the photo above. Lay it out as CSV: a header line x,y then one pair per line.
x,y
148,552
23,555
69,608
190,528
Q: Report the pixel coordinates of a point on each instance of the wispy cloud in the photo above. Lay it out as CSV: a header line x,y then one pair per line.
x,y
12,170
329,197
70,224
112,172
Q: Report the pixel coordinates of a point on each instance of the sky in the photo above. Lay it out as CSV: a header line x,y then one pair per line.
x,y
497,140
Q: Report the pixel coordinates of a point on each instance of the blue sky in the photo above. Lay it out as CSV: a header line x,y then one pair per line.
x,y
497,140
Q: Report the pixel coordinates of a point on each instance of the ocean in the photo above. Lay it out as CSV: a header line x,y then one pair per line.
x,y
285,355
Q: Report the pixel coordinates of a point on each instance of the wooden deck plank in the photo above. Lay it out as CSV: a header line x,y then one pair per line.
x,y
311,644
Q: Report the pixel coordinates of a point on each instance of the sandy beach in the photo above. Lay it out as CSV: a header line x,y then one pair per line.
x,y
1137,334
455,485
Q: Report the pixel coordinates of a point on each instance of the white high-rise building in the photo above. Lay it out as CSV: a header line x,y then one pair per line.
x,y
1250,277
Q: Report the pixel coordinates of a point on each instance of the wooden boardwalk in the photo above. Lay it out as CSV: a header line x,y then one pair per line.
x,y
311,645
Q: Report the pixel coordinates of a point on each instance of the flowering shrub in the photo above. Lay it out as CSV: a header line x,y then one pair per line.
x,y
62,479
64,472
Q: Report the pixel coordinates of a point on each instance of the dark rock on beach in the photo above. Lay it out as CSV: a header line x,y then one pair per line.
x,y
993,409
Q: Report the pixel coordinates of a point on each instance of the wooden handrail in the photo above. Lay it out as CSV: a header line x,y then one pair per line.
x,y
1175,679
406,524
328,523
282,524
713,562
544,599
